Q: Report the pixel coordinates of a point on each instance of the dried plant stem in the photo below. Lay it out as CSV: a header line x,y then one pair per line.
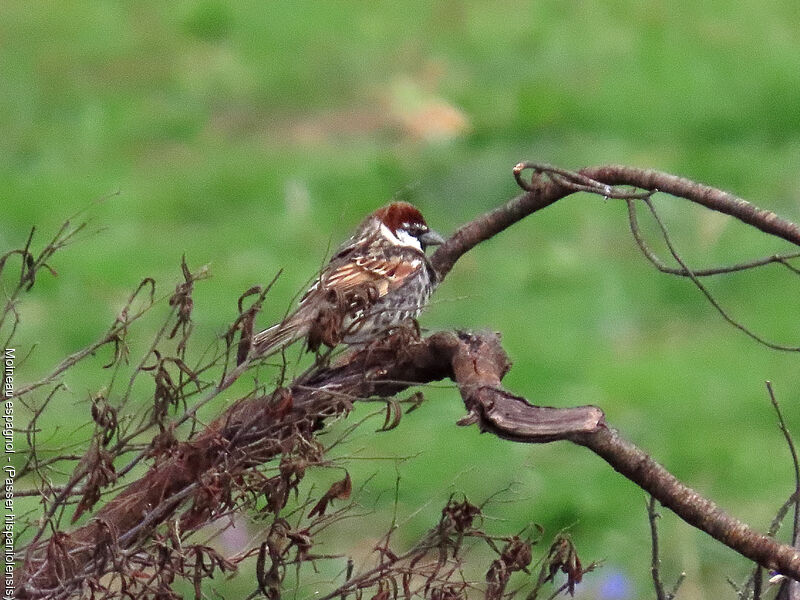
x,y
220,459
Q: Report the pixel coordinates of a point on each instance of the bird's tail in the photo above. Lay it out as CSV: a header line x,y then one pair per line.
x,y
277,337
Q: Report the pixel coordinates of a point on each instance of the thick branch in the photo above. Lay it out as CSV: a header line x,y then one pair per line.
x,y
724,202
511,417
476,362
252,432
549,185
255,431
688,504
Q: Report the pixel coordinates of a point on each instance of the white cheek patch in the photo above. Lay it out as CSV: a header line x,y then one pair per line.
x,y
402,238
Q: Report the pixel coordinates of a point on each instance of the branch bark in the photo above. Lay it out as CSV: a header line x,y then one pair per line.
x,y
479,362
257,429
549,184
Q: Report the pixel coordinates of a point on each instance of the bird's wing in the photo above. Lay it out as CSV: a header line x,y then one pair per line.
x,y
384,274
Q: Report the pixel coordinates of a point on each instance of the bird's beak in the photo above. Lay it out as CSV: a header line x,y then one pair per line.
x,y
430,238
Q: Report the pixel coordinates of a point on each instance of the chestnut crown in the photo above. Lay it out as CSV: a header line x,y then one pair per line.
x,y
406,225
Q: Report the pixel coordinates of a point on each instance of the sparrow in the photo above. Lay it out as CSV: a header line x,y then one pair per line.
x,y
377,280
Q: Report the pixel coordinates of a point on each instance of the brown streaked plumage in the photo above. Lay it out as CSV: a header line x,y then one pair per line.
x,y
377,279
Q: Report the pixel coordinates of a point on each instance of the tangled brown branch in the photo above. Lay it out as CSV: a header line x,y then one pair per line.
x,y
219,469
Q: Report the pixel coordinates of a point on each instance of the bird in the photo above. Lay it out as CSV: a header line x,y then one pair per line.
x,y
379,279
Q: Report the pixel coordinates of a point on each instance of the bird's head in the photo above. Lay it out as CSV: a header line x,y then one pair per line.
x,y
402,224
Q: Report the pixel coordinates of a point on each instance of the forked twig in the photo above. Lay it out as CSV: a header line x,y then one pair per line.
x,y
781,259
655,556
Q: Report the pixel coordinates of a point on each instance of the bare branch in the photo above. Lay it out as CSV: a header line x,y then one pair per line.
x,y
655,557
485,402
790,590
543,190
781,259
704,290
207,474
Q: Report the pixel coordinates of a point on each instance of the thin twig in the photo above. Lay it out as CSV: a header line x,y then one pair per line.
x,y
790,590
781,259
655,559
706,293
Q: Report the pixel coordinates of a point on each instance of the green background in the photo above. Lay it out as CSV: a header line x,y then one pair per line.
x,y
254,137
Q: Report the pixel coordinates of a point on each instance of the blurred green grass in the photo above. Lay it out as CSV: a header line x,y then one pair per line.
x,y
252,138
